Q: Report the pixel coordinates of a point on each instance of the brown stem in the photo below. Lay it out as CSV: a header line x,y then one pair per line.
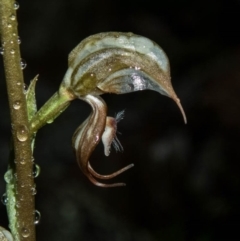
x,y
24,183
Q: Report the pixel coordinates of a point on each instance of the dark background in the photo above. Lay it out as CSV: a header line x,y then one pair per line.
x,y
186,181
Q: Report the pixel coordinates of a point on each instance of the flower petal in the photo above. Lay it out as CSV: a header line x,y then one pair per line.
x,y
119,63
86,138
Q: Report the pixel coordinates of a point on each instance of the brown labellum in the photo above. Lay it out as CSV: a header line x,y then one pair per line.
x,y
87,137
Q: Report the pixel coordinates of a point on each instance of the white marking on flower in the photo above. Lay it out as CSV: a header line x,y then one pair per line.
x,y
109,136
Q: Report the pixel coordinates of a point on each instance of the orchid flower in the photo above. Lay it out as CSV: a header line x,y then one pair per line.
x,y
112,63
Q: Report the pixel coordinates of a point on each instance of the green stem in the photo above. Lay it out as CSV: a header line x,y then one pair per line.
x,y
50,110
21,216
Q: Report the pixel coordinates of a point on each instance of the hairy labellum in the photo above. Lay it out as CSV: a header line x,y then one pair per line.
x,y
109,136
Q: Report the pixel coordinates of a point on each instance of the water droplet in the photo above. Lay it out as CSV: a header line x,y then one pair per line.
x,y
1,50
16,6
36,170
12,51
22,161
17,105
22,133
18,83
8,176
109,69
25,88
50,121
23,64
37,217
12,17
25,232
9,25
4,199
34,190
19,40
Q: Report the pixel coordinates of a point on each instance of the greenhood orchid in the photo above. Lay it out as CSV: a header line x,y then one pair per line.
x,y
110,62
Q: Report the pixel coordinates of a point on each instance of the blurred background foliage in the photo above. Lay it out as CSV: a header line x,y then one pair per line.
x,y
186,181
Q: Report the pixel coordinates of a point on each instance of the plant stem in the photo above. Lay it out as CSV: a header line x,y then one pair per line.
x,y
23,228
50,110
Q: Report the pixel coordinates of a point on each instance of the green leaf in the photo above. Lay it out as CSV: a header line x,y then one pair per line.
x,y
31,98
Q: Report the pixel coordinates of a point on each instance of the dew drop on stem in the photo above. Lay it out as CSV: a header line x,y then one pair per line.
x,y
50,121
37,217
17,105
22,161
34,191
25,232
22,133
23,64
1,50
16,6
12,17
19,40
4,199
36,170
25,87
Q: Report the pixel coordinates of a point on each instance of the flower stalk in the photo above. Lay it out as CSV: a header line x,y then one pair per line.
x,y
50,110
22,218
